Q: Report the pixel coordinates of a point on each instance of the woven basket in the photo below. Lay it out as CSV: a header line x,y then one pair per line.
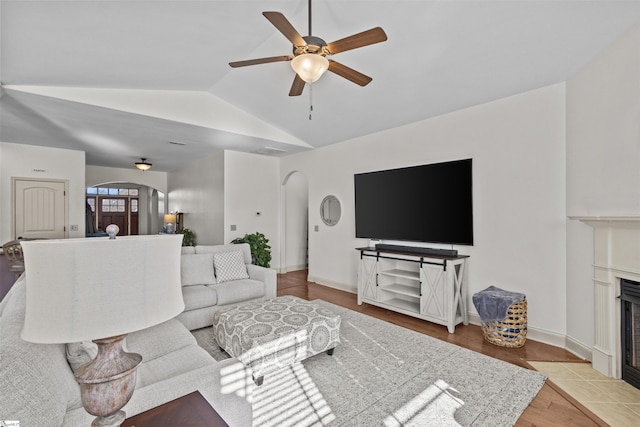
x,y
510,332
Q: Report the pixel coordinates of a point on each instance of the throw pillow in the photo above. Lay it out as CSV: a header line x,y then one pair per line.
x,y
197,269
230,266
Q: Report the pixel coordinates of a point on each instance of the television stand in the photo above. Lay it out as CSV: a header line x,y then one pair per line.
x,y
427,286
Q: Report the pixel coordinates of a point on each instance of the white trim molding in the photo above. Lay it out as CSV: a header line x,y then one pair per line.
x,y
616,242
540,335
340,286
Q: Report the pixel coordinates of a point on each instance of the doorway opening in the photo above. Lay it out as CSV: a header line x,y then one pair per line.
x,y
295,229
135,209
119,206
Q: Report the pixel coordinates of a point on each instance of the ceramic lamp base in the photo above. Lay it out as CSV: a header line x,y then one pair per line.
x,y
114,420
108,381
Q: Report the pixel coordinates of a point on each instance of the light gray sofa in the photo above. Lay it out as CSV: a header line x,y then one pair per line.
x,y
37,386
214,279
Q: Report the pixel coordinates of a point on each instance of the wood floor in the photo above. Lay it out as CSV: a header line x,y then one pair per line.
x,y
551,407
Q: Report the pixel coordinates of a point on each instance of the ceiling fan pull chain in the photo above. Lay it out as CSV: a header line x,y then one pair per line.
x,y
310,100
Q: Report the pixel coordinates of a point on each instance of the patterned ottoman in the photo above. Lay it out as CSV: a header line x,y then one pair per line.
x,y
275,333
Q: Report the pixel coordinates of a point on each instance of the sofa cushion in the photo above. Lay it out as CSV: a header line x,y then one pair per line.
x,y
32,372
159,340
172,364
199,297
239,291
231,247
188,250
229,266
197,269
227,385
150,343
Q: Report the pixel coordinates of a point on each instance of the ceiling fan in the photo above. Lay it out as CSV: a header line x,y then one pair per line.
x,y
309,53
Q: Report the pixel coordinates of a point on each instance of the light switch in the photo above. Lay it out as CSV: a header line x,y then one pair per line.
x,y
233,228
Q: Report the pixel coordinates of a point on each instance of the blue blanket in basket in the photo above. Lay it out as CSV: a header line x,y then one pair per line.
x,y
493,303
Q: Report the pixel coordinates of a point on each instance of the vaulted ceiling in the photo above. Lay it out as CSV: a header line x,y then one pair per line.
x,y
123,79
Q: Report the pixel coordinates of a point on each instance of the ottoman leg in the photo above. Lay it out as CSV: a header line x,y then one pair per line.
x,y
259,380
330,351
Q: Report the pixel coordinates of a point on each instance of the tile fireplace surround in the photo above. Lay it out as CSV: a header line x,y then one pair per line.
x,y
616,243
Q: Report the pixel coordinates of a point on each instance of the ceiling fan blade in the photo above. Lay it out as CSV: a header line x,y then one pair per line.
x,y
260,61
349,73
365,38
284,26
297,86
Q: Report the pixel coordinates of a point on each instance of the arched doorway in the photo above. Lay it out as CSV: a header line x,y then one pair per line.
x,y
295,226
134,208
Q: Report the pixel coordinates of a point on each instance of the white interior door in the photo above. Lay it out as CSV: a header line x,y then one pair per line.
x,y
39,209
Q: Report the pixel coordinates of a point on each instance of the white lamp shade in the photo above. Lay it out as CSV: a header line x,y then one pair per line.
x,y
310,66
85,289
169,218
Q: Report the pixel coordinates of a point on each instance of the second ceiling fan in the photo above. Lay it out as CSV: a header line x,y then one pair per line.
x,y
309,53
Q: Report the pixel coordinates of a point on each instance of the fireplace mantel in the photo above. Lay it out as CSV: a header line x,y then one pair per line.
x,y
616,244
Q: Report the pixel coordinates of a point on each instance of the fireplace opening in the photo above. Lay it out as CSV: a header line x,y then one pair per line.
x,y
630,325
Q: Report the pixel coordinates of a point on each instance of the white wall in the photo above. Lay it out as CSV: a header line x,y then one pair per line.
x,y
580,291
295,222
97,175
252,185
197,189
603,133
517,145
29,161
603,163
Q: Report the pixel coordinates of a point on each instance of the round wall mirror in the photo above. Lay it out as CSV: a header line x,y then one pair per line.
x,y
330,210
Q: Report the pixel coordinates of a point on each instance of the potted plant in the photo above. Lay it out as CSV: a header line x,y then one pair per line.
x,y
260,249
189,238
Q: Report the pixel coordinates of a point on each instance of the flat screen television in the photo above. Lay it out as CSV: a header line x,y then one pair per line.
x,y
428,203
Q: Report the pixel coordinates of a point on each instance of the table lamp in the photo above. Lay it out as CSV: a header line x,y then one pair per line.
x,y
101,289
170,222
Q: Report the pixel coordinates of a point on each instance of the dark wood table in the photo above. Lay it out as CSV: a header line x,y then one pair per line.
x,y
191,410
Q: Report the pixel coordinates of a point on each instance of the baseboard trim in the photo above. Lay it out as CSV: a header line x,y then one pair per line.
x,y
578,348
340,286
290,268
537,334
540,335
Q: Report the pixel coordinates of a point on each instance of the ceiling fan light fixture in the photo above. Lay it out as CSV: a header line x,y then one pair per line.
x,y
310,66
143,165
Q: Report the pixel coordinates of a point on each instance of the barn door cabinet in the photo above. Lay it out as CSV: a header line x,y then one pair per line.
x,y
428,287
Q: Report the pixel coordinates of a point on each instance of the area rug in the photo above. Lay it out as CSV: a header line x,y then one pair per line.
x,y
385,375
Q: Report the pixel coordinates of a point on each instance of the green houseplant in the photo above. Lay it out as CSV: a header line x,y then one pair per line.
x,y
189,238
260,249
